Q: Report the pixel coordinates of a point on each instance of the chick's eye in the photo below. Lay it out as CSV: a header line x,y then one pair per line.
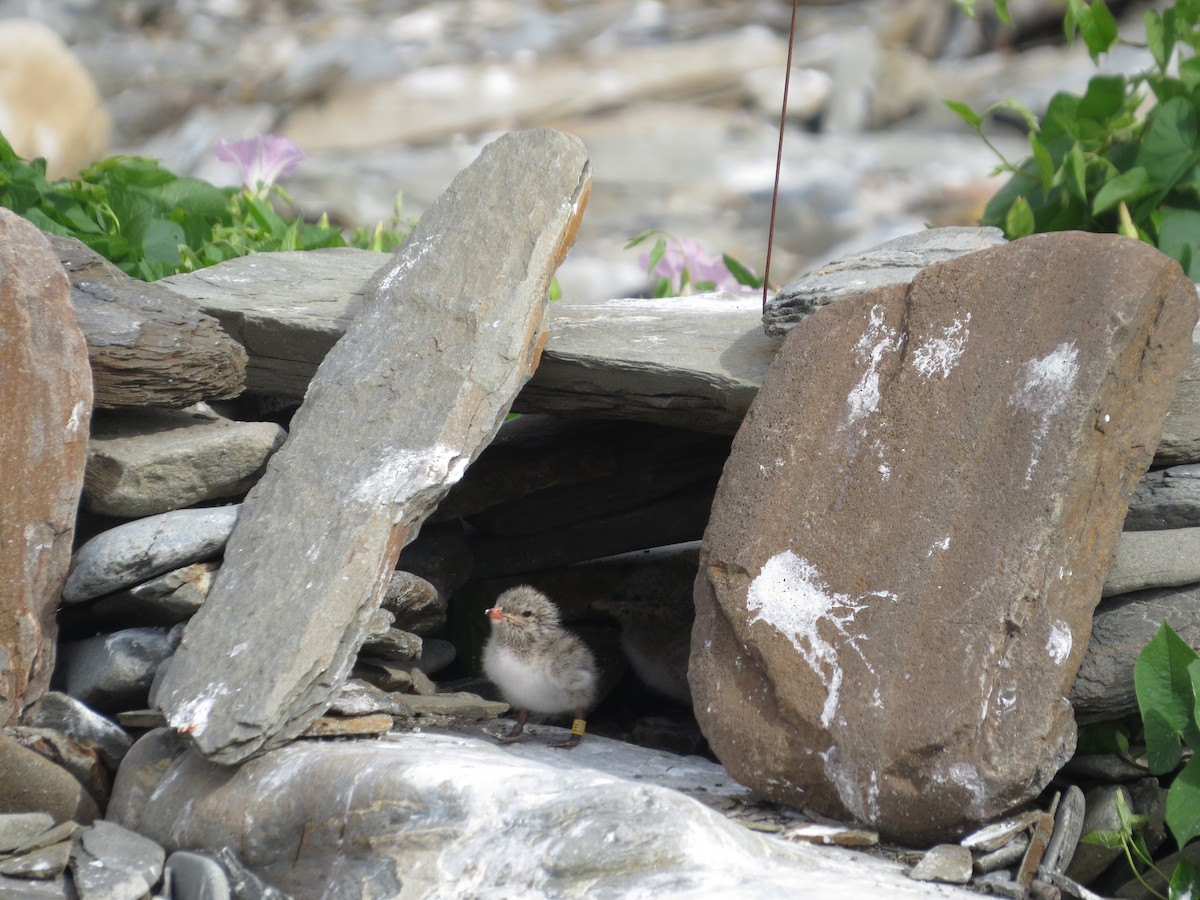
x,y
527,613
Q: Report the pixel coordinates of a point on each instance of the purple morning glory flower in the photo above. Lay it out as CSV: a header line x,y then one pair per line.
x,y
690,254
263,158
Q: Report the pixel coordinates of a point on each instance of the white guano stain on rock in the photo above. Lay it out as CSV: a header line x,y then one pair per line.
x,y
402,473
1043,389
943,544
790,595
1059,641
940,355
876,341
191,717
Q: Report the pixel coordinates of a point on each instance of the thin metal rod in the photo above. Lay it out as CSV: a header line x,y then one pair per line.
x,y
787,81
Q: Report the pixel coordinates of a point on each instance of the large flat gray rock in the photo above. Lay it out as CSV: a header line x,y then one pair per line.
x,y
418,385
443,815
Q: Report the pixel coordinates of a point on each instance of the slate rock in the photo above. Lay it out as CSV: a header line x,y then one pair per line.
x,y
1100,815
950,863
286,309
676,518
694,362
70,716
1180,442
1150,559
163,600
31,783
843,547
461,813
147,346
691,362
1167,498
75,756
1068,828
139,550
18,829
196,876
1121,628
110,862
418,385
416,604
148,461
894,262
112,672
542,472
46,395
43,864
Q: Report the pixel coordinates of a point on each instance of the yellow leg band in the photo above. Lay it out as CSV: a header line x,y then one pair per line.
x,y
578,727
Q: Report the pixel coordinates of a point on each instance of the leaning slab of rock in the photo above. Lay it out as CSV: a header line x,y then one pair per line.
x,y
46,398
420,382
895,262
147,346
149,461
897,582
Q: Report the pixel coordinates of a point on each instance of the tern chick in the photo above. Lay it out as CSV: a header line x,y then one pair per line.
x,y
538,665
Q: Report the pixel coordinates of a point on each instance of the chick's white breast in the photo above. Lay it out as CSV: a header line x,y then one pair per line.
x,y
534,684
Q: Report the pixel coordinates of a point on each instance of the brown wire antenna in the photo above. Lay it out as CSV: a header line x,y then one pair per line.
x,y
787,81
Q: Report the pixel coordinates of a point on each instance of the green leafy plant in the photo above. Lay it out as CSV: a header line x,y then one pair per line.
x,y
1099,161
1167,680
151,222
681,266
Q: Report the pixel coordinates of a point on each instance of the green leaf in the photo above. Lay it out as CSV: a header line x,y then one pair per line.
x,y
1185,880
638,238
964,112
656,255
1183,803
1160,41
1164,692
1179,237
1125,187
1169,144
1104,98
1045,164
1102,737
1019,221
1095,23
160,243
1113,840
663,288
740,272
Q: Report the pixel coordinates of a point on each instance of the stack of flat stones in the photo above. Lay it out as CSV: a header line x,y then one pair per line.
x,y
601,489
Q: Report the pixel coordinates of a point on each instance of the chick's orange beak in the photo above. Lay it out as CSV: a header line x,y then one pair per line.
x,y
495,613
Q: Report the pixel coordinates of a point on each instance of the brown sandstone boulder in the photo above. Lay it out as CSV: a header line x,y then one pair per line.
x,y
898,578
45,408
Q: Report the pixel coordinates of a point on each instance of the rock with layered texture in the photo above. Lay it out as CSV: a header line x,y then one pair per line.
x,y
419,384
1181,432
894,262
147,346
46,396
897,582
150,461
